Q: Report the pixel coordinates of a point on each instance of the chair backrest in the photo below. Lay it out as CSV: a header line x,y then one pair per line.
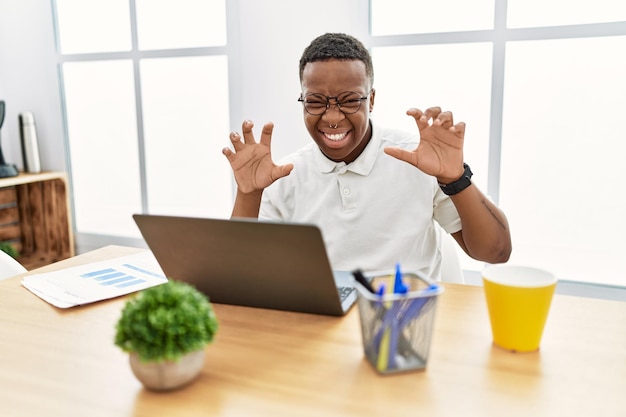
x,y
9,267
451,270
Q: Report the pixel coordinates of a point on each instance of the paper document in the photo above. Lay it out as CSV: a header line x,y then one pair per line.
x,y
96,281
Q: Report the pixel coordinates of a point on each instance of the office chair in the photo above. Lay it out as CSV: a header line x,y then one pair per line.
x,y
9,267
451,270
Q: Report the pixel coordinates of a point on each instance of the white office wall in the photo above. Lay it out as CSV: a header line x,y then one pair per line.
x,y
28,80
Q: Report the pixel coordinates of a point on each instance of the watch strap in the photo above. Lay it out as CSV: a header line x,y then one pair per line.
x,y
460,184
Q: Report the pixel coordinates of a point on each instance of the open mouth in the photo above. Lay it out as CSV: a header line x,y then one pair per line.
x,y
335,137
336,140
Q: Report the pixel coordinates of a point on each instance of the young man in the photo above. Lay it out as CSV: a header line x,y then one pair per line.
x,y
376,193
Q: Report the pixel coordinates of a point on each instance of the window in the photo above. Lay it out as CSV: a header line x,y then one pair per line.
x,y
562,144
540,85
145,86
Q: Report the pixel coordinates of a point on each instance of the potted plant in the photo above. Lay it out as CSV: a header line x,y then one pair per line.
x,y
165,330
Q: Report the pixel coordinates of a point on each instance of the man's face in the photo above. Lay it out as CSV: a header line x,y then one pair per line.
x,y
340,136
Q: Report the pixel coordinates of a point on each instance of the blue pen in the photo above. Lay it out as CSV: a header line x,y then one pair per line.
x,y
381,290
398,285
416,305
387,346
398,288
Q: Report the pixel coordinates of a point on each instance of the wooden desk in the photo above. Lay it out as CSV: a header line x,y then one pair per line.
x,y
268,363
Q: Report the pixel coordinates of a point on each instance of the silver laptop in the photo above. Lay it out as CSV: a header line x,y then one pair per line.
x,y
247,262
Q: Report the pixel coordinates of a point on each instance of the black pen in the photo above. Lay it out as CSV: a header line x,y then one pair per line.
x,y
360,278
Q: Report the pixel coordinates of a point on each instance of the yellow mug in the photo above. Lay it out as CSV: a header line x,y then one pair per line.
x,y
518,301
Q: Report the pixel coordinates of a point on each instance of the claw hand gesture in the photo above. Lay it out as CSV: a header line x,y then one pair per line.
x,y
252,162
440,151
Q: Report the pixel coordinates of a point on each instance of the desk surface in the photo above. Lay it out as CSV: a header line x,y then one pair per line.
x,y
57,362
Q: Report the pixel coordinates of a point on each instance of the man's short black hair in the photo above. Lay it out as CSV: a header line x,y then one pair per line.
x,y
337,46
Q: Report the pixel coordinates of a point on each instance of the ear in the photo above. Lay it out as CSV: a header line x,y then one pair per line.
x,y
372,95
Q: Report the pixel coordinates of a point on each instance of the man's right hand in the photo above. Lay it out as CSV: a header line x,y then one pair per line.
x,y
252,162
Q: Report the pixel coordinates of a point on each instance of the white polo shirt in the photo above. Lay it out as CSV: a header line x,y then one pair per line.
x,y
373,212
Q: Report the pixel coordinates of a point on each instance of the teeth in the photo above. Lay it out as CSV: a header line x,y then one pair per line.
x,y
336,136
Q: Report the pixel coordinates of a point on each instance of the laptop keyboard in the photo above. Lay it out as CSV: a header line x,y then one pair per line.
x,y
344,292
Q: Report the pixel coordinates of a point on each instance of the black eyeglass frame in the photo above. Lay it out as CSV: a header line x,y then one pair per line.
x,y
302,97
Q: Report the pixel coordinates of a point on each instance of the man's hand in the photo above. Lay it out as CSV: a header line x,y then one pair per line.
x,y
252,162
440,151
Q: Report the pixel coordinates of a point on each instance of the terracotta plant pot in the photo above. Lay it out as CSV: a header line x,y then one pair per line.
x,y
167,375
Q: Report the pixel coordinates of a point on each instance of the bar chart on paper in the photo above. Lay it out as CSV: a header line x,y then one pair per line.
x,y
120,279
97,281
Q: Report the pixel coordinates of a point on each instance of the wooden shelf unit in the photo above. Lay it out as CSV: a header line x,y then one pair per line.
x,y
35,217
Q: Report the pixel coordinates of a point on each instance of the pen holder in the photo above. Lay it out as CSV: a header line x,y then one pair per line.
x,y
397,328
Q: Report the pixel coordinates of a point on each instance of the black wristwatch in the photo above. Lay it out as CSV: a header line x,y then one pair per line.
x,y
460,184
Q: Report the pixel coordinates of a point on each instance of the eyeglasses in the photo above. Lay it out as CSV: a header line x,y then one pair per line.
x,y
347,102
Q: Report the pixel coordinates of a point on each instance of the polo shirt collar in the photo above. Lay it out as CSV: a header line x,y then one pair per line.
x,y
362,165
